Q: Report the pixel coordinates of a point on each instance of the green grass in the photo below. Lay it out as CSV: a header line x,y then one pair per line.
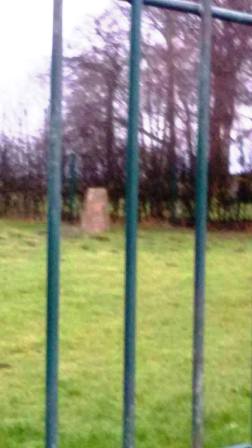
x,y
92,335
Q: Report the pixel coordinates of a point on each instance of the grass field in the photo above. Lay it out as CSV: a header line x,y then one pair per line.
x,y
92,331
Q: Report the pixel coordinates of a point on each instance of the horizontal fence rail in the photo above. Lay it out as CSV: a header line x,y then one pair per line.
x,y
227,15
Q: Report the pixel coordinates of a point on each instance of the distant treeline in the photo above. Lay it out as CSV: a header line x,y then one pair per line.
x,y
95,122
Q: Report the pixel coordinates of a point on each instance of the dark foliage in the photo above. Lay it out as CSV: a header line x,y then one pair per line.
x,y
95,122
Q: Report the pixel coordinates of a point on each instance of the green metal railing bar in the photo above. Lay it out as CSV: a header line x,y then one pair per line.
x,y
243,445
54,217
201,223
243,18
132,180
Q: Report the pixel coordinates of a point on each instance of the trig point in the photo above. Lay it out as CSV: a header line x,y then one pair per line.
x,y
95,216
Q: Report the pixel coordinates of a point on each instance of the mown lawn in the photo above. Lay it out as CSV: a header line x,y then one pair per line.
x,y
92,334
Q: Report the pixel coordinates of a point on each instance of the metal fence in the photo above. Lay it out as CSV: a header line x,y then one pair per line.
x,y
206,12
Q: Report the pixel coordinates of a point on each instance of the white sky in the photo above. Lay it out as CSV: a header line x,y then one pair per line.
x,y
25,47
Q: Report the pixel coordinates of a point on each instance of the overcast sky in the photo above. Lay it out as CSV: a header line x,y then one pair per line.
x,y
25,44
25,48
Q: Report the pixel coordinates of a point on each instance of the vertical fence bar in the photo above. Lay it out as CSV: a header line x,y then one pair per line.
x,y
54,217
201,224
132,168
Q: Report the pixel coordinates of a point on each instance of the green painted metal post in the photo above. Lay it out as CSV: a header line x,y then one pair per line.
x,y
132,168
54,217
201,224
